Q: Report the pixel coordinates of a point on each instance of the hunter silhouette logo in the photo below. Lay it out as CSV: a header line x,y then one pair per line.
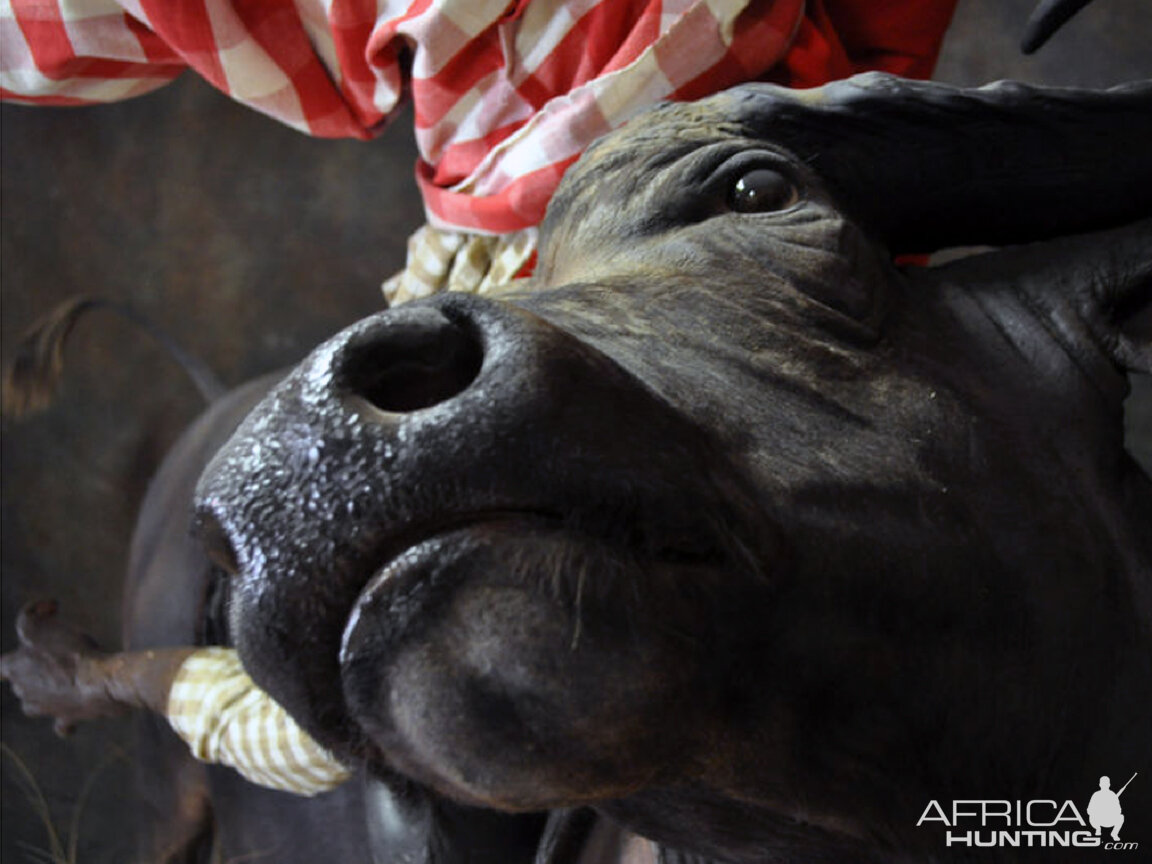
x,y
1037,823
1104,809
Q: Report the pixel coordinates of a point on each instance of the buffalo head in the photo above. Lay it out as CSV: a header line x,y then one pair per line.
x,y
724,522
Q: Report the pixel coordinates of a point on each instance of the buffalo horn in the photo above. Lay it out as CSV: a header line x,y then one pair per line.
x,y
926,166
1048,17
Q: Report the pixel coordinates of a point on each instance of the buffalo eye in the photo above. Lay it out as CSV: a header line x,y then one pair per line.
x,y
761,190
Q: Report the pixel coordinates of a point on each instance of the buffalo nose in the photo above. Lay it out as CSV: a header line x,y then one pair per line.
x,y
411,358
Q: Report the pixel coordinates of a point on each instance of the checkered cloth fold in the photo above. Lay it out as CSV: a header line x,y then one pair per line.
x,y
226,719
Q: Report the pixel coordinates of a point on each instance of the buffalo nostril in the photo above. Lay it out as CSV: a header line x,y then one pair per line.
x,y
215,543
414,360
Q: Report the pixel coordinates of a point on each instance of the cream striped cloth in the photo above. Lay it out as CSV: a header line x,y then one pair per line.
x,y
226,719
441,260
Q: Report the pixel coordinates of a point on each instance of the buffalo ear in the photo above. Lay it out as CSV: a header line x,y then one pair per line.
x,y
925,166
1132,314
1093,290
1136,332
1109,276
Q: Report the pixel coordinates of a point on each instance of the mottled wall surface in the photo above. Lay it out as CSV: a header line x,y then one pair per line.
x,y
250,243
247,241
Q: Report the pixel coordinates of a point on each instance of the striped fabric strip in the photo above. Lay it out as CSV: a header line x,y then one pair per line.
x,y
225,719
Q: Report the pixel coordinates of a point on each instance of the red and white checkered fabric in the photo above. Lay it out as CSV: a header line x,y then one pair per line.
x,y
506,94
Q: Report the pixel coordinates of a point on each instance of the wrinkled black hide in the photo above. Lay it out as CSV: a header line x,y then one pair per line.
x,y
725,524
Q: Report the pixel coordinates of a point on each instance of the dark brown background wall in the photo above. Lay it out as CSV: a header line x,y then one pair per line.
x,y
250,243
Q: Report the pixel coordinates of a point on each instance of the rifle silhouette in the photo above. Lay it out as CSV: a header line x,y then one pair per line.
x,y
1125,786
